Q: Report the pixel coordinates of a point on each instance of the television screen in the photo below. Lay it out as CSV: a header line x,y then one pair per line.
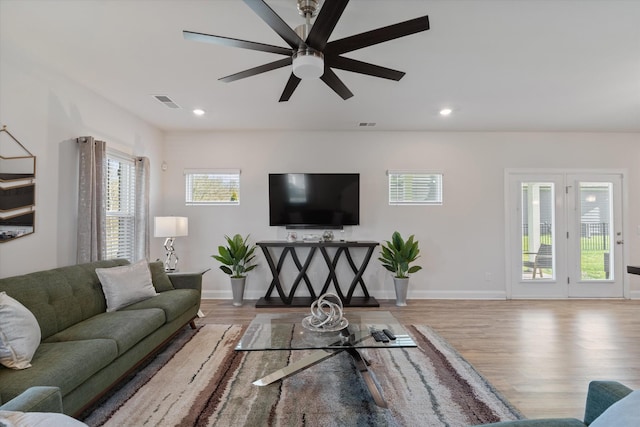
x,y
314,200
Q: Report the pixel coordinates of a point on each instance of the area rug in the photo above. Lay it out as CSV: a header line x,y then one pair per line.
x,y
207,383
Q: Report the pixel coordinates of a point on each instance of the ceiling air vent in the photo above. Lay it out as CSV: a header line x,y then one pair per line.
x,y
166,101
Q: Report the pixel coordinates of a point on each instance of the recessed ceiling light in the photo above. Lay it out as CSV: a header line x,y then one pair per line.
x,y
198,112
446,111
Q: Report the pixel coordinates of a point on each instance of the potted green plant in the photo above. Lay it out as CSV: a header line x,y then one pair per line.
x,y
397,256
237,259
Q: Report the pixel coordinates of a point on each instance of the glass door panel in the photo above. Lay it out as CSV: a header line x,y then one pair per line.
x,y
595,241
537,253
538,225
596,238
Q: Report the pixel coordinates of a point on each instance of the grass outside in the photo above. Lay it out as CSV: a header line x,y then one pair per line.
x,y
591,262
592,265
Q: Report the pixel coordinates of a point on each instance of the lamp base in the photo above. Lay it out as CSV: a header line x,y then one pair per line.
x,y
171,261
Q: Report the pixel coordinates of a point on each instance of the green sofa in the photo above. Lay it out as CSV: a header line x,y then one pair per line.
x,y
85,350
600,396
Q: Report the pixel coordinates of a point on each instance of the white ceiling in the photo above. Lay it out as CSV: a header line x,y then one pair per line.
x,y
501,65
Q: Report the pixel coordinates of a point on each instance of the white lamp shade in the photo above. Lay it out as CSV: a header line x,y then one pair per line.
x,y
171,226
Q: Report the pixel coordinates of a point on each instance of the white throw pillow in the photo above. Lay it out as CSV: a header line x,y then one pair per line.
x,y
125,285
19,333
624,413
38,419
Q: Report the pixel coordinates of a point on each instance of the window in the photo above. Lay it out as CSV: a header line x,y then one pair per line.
x,y
415,188
120,218
212,187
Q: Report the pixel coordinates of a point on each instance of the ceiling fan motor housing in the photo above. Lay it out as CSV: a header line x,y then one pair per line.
x,y
309,7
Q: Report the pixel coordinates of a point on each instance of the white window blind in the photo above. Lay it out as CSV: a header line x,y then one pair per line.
x,y
120,218
212,186
415,188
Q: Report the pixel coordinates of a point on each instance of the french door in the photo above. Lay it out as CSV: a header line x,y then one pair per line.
x,y
565,235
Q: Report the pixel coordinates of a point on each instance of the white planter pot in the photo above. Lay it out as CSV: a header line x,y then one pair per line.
x,y
237,289
401,286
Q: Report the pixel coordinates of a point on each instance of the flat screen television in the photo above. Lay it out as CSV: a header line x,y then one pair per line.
x,y
314,200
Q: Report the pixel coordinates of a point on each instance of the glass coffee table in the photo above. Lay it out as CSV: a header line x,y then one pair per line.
x,y
271,331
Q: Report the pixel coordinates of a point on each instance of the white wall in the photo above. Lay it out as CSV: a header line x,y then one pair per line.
x,y
46,112
461,241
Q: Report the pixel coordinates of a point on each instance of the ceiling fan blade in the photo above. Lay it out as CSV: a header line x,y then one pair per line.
x,y
292,84
275,22
330,78
356,66
257,70
380,35
324,24
227,41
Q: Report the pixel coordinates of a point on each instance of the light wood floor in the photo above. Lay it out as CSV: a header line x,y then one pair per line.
x,y
540,355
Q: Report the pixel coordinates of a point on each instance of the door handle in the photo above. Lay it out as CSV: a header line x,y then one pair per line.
x,y
619,242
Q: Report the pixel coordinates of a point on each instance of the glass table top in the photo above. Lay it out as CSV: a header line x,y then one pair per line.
x,y
285,331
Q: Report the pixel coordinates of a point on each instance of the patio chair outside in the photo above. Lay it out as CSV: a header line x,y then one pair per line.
x,y
543,259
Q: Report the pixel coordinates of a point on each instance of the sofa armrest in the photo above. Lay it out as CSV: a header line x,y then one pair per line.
x,y
187,280
36,399
600,396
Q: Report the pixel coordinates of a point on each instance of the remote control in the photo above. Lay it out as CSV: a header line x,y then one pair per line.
x,y
379,336
388,333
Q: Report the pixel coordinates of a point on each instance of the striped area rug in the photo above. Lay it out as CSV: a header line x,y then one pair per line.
x,y
207,383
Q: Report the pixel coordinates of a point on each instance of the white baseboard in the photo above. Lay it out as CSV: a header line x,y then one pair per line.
x,y
634,294
216,294
486,295
479,295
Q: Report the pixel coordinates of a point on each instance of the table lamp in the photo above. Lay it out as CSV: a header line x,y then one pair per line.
x,y
171,227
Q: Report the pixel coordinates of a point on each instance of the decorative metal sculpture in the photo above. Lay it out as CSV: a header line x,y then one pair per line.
x,y
326,315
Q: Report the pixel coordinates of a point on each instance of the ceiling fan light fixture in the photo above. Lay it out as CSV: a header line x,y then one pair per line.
x,y
308,64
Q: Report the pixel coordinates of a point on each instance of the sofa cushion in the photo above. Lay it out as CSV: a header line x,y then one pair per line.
x,y
37,419
174,303
125,285
19,333
64,364
126,328
623,413
159,277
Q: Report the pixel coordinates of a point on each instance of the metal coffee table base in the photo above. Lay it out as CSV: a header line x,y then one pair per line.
x,y
318,356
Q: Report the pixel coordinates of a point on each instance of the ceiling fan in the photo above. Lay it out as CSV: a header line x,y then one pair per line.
x,y
310,53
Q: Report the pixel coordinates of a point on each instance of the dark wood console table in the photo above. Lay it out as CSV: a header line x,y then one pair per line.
x,y
275,265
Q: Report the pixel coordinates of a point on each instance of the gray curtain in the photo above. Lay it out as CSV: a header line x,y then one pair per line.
x,y
91,200
142,209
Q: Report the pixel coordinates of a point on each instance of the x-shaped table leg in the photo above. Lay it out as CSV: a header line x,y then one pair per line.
x,y
318,356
